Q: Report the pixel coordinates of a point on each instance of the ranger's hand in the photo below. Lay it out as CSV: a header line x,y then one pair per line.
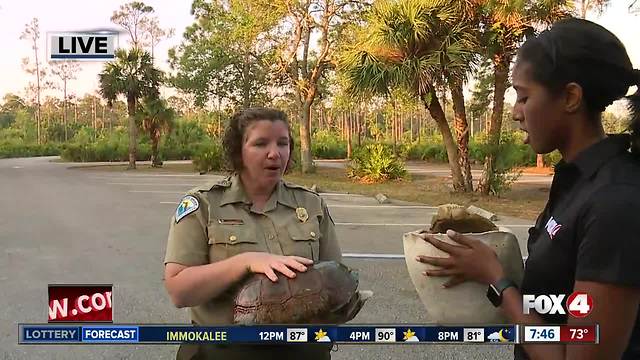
x,y
265,263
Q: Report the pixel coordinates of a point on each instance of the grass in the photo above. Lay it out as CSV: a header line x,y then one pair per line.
x,y
523,201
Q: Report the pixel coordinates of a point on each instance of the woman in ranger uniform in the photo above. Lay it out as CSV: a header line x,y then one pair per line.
x,y
587,239
251,222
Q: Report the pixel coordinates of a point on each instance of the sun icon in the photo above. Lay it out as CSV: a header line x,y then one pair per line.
x,y
321,335
409,335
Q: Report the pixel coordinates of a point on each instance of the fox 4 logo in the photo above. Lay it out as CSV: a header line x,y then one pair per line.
x,y
579,304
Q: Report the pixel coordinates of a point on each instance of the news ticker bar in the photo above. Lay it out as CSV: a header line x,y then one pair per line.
x,y
381,334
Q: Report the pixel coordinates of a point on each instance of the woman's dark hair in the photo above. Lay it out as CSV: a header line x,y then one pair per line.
x,y
580,51
238,125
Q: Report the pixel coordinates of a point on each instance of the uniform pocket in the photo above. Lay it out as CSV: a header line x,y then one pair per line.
x,y
304,240
226,241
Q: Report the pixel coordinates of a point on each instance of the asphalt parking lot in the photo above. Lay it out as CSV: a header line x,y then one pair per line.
x,y
62,225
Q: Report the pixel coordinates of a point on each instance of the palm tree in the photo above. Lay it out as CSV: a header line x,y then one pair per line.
x,y
157,119
131,74
507,22
419,45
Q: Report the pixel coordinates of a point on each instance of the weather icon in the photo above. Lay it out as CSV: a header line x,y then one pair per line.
x,y
504,335
409,336
321,336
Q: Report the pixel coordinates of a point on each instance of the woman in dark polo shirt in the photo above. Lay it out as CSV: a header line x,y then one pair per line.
x,y
587,238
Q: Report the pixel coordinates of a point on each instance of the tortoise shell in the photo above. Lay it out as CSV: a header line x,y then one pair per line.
x,y
456,217
325,293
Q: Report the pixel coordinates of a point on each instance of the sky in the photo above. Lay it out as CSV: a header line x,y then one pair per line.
x,y
77,15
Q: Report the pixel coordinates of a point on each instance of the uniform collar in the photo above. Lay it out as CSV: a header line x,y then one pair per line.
x,y
590,160
285,195
236,194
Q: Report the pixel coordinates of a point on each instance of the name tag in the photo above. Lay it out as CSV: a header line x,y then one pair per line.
x,y
230,221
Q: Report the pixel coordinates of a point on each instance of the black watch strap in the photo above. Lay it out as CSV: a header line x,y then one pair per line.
x,y
494,291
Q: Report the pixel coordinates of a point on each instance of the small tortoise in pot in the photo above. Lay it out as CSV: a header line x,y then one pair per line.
x,y
324,294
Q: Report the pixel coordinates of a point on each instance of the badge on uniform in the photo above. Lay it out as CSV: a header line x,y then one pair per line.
x,y
188,204
302,214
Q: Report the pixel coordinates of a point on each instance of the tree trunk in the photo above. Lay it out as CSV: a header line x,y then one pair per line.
x,y
349,137
501,74
94,122
154,152
461,128
360,118
433,105
133,129
64,112
246,83
305,138
539,161
38,114
419,125
411,128
403,116
394,127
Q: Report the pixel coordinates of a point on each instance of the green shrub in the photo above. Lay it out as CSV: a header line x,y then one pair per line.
x,y
295,163
376,163
552,158
512,153
208,156
103,152
327,145
182,142
16,149
11,135
427,151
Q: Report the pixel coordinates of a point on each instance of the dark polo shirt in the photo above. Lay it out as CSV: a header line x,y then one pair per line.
x,y
590,228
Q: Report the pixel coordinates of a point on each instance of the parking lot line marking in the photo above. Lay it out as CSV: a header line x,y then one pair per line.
x,y
385,206
150,184
155,175
338,194
387,224
373,256
515,225
156,191
375,224
382,256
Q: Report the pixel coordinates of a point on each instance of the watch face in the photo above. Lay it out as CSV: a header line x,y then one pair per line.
x,y
495,291
493,295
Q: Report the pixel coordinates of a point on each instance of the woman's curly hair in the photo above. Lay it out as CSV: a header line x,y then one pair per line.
x,y
240,122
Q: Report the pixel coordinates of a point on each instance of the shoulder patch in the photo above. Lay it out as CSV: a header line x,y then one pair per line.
x,y
296,186
188,204
226,182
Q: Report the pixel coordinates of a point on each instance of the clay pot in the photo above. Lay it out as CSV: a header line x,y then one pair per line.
x,y
467,302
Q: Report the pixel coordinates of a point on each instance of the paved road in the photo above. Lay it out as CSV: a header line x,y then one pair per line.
x,y
61,225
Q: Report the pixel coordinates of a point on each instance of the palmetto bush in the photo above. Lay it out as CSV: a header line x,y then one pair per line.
x,y
208,156
327,145
376,163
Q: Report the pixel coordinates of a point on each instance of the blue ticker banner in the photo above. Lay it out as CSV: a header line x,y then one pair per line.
x,y
280,334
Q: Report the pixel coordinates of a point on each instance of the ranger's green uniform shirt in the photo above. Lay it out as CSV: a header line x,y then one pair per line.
x,y
294,221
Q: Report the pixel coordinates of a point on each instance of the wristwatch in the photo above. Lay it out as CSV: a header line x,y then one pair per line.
x,y
494,291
